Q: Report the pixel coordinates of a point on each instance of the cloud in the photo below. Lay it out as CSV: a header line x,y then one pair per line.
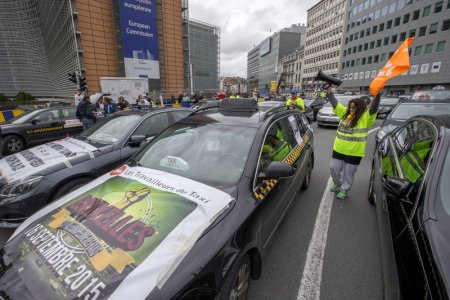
x,y
245,24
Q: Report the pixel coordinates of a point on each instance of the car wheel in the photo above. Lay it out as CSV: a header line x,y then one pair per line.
x,y
307,180
69,187
237,283
13,144
371,196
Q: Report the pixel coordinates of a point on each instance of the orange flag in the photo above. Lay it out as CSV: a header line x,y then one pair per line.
x,y
396,65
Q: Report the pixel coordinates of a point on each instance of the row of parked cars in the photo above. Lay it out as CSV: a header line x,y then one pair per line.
x,y
185,206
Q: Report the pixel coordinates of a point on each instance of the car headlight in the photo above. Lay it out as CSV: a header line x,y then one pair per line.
x,y
381,134
320,114
20,187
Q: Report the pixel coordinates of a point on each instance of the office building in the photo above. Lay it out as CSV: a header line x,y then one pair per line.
x,y
374,29
323,41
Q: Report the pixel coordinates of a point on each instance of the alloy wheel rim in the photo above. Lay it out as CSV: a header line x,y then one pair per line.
x,y
240,286
15,144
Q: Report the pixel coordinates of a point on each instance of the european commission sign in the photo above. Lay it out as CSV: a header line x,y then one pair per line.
x,y
139,38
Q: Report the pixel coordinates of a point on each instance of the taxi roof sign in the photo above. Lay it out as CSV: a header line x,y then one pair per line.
x,y
238,104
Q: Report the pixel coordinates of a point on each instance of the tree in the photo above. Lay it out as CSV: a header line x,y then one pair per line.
x,y
3,98
24,96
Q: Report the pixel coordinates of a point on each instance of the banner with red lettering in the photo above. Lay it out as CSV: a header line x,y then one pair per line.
x,y
88,244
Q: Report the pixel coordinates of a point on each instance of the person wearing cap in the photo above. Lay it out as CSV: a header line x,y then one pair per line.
x,y
295,101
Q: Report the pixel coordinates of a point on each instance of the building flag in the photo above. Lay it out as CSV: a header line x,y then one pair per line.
x,y
396,65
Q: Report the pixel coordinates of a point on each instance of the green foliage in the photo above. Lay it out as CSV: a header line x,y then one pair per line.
x,y
24,96
3,98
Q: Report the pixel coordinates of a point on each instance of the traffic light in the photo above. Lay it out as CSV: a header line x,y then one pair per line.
x,y
73,77
83,83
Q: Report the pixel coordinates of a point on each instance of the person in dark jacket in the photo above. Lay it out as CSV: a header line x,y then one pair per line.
x,y
86,112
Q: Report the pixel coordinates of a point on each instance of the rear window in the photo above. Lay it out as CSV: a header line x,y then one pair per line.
x,y
431,95
408,110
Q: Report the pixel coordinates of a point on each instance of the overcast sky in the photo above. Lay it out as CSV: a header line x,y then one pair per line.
x,y
244,24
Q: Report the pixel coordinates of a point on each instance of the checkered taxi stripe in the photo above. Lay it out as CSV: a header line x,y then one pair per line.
x,y
47,129
267,185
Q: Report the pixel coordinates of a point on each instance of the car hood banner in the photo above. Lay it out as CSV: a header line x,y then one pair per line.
x,y
52,156
120,236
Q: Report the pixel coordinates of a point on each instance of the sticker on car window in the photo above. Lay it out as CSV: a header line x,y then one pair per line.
x,y
424,97
297,134
173,162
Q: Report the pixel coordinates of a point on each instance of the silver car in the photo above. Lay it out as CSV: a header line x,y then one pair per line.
x,y
326,116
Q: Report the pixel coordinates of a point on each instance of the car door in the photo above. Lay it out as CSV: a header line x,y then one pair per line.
x,y
149,127
45,126
71,124
396,163
274,194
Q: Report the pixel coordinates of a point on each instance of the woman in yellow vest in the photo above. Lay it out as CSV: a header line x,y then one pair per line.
x,y
350,142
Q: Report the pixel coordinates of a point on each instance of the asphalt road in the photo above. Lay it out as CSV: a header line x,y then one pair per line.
x,y
351,261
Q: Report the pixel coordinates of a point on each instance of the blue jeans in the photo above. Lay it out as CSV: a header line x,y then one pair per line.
x,y
87,123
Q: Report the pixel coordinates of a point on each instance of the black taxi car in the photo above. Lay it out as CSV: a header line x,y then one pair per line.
x,y
188,217
32,178
39,126
409,184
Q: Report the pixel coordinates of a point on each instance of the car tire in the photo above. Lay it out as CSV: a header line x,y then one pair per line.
x,y
13,144
307,180
237,283
68,187
371,196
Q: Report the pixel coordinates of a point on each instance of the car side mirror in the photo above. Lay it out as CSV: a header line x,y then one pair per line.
x,y
136,140
35,122
279,169
397,188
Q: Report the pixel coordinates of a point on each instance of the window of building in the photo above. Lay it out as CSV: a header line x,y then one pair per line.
x,y
402,36
416,14
374,29
440,47
446,24
401,4
351,37
405,18
381,27
426,11
361,34
372,44
359,48
418,51
392,7
428,49
448,4
347,63
369,60
438,7
433,28
363,61
412,33
357,62
389,24
384,10
377,13
422,30
353,63
383,57
356,35
345,52
386,41
354,49
343,66
349,51
397,22
394,39
379,43
375,58
346,41
367,31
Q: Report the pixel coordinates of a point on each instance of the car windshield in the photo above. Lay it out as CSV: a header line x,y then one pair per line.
x,y
344,100
25,118
389,101
408,110
431,95
208,153
444,187
109,130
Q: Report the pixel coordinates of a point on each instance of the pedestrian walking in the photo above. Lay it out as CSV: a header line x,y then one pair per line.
x,y
86,112
350,142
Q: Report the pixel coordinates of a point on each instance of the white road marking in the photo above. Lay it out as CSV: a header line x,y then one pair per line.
x,y
312,272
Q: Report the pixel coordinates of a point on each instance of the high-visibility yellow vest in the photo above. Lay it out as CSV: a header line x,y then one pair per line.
x,y
298,101
279,151
413,162
352,140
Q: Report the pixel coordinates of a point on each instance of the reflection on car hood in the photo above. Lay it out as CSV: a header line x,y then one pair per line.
x,y
127,223
390,124
44,159
326,110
